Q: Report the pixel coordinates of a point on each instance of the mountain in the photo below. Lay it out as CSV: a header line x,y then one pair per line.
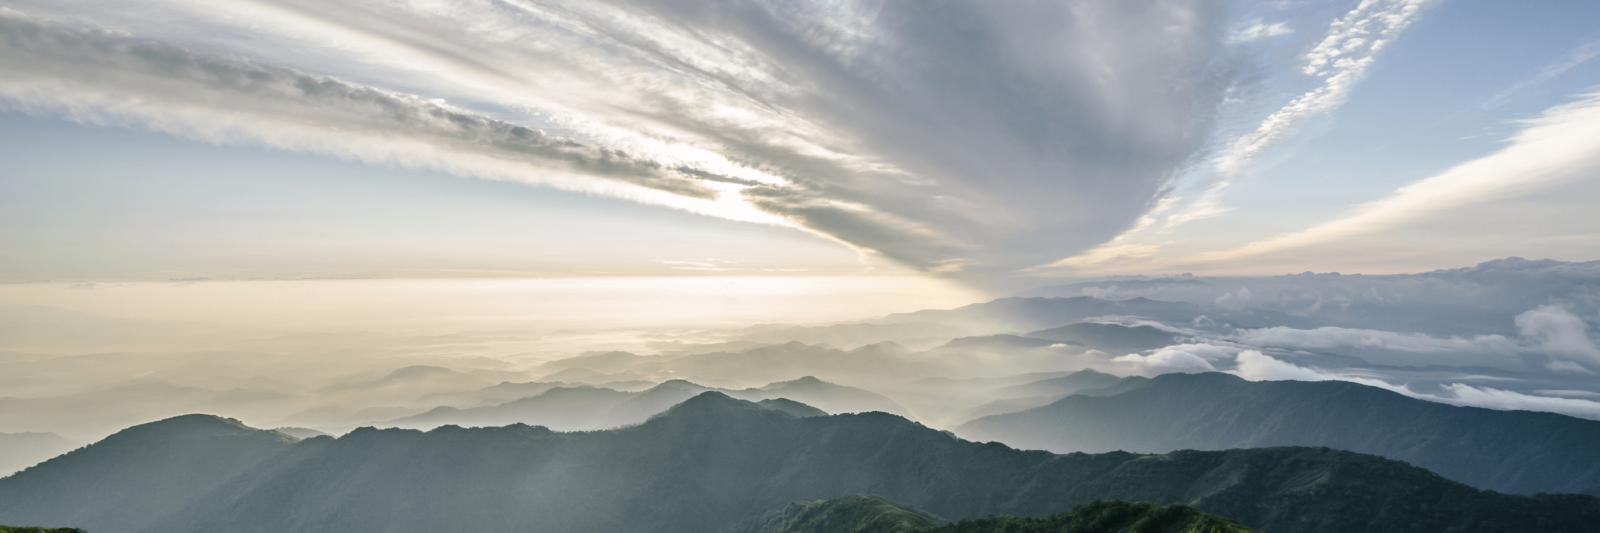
x,y
588,408
607,362
1003,342
788,361
139,474
854,335
1530,451
563,408
871,514
793,408
825,396
22,450
1082,381
1046,391
850,514
1109,337
709,464
299,433
1477,300
405,382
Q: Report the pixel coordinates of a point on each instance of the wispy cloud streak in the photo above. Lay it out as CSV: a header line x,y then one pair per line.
x,y
1561,142
1339,61
951,136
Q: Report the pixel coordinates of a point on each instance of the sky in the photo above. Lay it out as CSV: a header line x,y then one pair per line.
x,y
995,144
333,213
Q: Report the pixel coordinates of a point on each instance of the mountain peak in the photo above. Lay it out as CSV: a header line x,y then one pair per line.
x,y
191,423
678,384
709,403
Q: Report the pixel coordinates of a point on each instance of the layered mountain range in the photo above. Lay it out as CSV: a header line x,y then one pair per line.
x,y
709,464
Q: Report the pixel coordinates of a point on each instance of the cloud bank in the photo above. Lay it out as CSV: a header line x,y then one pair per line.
x,y
950,136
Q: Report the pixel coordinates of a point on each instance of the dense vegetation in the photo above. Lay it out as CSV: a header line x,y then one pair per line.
x,y
850,514
1510,451
706,465
16,529
1105,517
871,514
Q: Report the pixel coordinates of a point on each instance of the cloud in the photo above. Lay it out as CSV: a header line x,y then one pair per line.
x,y
1339,62
949,136
1255,366
1341,59
1324,338
1561,143
1559,333
1178,358
1258,30
1509,400
1577,56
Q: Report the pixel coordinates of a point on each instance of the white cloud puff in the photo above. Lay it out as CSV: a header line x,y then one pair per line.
x,y
1559,333
1188,358
1257,30
1324,338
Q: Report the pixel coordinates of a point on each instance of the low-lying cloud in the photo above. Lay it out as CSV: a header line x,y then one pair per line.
x,y
1256,366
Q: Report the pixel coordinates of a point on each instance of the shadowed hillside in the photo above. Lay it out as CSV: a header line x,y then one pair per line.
x,y
1530,451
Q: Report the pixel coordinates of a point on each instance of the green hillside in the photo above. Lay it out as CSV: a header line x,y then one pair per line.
x,y
850,514
872,514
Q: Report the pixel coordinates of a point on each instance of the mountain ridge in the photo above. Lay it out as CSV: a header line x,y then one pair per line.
x,y
1534,451
713,461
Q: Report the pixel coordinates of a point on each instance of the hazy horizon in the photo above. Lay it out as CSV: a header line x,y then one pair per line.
x,y
703,238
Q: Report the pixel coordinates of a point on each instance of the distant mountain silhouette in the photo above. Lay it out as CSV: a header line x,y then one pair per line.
x,y
871,514
826,396
1082,381
299,433
1046,391
1008,314
1004,342
1509,451
708,464
1109,337
588,408
793,408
